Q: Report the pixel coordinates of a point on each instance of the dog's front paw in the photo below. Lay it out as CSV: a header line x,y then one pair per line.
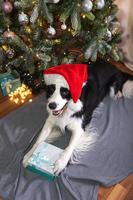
x,y
118,95
61,163
114,95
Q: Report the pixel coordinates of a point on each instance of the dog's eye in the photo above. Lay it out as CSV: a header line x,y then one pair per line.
x,y
65,93
50,90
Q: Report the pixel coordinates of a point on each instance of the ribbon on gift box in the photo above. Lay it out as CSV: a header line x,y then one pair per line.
x,y
39,158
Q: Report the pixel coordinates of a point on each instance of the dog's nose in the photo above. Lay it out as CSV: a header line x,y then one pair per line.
x,y
52,105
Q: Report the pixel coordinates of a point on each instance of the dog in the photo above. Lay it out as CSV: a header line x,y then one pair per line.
x,y
67,113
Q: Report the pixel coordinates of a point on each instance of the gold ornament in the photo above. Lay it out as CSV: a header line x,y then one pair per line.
x,y
9,34
5,47
40,22
28,29
8,50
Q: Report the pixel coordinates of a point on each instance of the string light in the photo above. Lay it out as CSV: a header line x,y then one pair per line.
x,y
73,32
21,94
57,41
30,100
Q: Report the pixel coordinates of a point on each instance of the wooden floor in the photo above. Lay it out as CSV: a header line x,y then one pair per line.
x,y
120,191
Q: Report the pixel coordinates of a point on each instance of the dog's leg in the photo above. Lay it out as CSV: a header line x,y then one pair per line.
x,y
46,130
62,162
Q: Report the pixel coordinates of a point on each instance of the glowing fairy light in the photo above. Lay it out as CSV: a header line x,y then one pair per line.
x,y
21,94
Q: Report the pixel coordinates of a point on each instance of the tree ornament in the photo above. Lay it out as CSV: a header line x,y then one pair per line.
x,y
5,47
100,4
7,7
64,26
51,31
87,5
34,15
23,18
9,34
28,29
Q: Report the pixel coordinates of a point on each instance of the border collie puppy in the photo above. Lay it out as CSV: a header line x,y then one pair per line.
x,y
73,92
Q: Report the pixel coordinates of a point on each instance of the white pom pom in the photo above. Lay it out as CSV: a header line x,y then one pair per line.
x,y
51,30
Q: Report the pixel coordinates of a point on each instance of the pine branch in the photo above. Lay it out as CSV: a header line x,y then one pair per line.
x,y
45,12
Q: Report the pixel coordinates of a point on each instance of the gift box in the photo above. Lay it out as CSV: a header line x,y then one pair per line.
x,y
43,159
9,82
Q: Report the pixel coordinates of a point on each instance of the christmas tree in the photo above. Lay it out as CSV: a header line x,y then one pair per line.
x,y
36,34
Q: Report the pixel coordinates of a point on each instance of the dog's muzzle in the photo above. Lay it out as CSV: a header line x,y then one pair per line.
x,y
55,112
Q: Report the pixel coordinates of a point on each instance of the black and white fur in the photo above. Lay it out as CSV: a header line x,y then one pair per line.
x,y
64,113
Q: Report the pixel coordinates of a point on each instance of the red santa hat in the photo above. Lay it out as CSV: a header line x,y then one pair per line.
x,y
74,74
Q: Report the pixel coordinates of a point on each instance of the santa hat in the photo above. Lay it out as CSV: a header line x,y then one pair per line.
x,y
74,74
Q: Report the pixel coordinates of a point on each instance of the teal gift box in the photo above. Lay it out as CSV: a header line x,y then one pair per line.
x,y
9,82
43,159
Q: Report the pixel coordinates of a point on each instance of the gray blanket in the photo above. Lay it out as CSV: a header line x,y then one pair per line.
x,y
108,162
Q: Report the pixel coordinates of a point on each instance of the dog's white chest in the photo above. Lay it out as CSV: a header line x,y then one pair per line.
x,y
63,120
